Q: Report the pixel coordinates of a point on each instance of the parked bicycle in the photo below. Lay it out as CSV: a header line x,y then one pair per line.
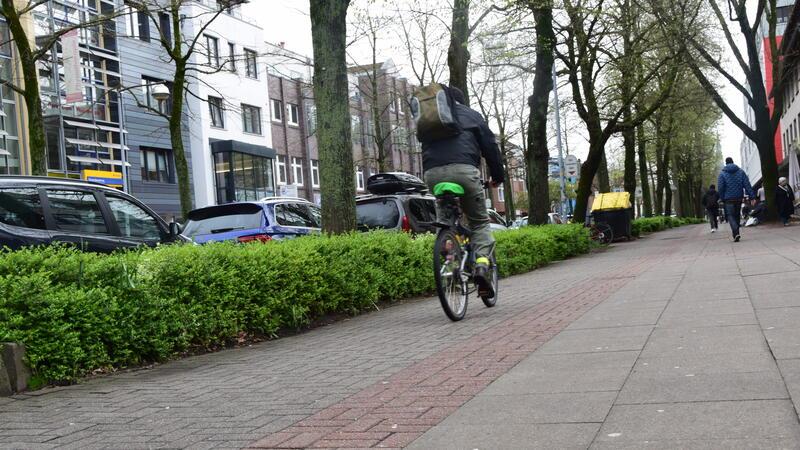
x,y
600,232
453,257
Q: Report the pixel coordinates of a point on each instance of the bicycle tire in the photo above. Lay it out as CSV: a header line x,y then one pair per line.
x,y
605,233
452,285
491,301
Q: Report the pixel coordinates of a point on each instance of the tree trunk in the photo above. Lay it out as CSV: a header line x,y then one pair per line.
x,y
665,183
629,139
329,36
538,156
33,102
508,184
642,147
176,138
588,169
602,174
458,53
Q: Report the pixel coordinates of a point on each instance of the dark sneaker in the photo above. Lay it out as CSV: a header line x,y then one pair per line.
x,y
736,238
483,278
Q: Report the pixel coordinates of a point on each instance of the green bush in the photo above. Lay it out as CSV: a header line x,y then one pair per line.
x,y
659,223
78,312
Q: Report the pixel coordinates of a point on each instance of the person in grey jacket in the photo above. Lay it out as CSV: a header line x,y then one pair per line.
x,y
732,184
456,159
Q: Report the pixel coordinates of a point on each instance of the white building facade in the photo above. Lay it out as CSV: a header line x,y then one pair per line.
x,y
750,159
228,110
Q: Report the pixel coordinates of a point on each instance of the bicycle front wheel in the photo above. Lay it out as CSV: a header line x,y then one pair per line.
x,y
605,234
451,284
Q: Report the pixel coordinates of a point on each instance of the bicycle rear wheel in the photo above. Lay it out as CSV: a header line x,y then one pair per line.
x,y
451,286
604,233
491,301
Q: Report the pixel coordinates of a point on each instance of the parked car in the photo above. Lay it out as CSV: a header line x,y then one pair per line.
x,y
264,220
397,201
497,222
90,216
552,219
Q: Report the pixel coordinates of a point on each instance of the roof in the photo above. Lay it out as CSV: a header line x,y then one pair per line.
x,y
21,179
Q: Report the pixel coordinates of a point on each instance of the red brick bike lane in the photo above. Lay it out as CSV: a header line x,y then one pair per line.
x,y
394,412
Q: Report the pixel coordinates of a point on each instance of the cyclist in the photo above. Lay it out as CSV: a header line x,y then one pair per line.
x,y
456,159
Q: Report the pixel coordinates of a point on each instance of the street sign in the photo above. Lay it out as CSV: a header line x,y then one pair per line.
x,y
571,166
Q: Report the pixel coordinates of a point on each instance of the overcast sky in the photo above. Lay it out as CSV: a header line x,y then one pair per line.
x,y
288,21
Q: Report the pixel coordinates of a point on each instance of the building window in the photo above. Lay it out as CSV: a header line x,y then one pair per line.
x,y
212,49
355,125
251,119
242,177
277,110
297,170
311,118
360,178
156,165
314,173
501,194
251,64
143,25
165,23
232,56
217,111
294,114
281,167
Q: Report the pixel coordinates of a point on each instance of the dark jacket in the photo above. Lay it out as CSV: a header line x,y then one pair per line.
x,y
474,141
733,183
784,199
711,199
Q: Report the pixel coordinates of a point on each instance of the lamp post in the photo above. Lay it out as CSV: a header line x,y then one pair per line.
x,y
161,93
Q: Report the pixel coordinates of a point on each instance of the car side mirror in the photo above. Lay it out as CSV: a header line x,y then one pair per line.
x,y
174,229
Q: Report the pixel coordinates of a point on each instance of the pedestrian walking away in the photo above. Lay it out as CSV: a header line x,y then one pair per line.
x,y
733,184
711,202
784,199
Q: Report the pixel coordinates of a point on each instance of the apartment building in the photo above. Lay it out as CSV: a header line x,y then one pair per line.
x,y
790,115
390,145
750,159
227,112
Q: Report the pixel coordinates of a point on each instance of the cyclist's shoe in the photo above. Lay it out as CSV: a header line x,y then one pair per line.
x,y
483,278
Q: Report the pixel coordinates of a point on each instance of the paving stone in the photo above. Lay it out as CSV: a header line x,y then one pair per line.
x,y
771,419
508,436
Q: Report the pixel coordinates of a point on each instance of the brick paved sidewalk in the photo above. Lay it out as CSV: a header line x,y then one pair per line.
x,y
384,379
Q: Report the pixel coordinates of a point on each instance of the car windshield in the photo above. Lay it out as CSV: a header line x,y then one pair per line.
x,y
379,213
223,218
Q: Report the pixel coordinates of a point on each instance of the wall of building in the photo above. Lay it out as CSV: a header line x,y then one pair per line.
x,y
140,59
234,87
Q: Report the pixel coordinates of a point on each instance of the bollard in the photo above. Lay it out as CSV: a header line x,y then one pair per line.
x,y
12,363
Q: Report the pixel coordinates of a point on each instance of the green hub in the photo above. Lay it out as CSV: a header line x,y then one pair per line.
x,y
448,188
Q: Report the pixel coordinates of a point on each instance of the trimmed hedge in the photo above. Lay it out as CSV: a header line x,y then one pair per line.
x,y
659,223
79,312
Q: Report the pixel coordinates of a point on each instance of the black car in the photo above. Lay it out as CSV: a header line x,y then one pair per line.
x,y
398,201
93,217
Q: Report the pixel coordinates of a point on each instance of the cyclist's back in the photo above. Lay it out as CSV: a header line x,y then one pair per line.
x,y
457,159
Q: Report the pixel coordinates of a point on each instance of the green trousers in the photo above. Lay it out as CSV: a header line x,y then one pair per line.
x,y
473,203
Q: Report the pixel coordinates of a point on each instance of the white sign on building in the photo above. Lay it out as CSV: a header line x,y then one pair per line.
x,y
73,84
288,190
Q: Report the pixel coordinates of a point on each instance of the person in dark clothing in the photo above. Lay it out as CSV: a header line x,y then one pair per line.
x,y
784,199
733,184
457,159
711,202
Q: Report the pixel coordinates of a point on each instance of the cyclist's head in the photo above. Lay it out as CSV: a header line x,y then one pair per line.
x,y
457,95
712,187
728,160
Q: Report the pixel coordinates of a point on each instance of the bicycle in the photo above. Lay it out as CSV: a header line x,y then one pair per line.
x,y
600,232
453,258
